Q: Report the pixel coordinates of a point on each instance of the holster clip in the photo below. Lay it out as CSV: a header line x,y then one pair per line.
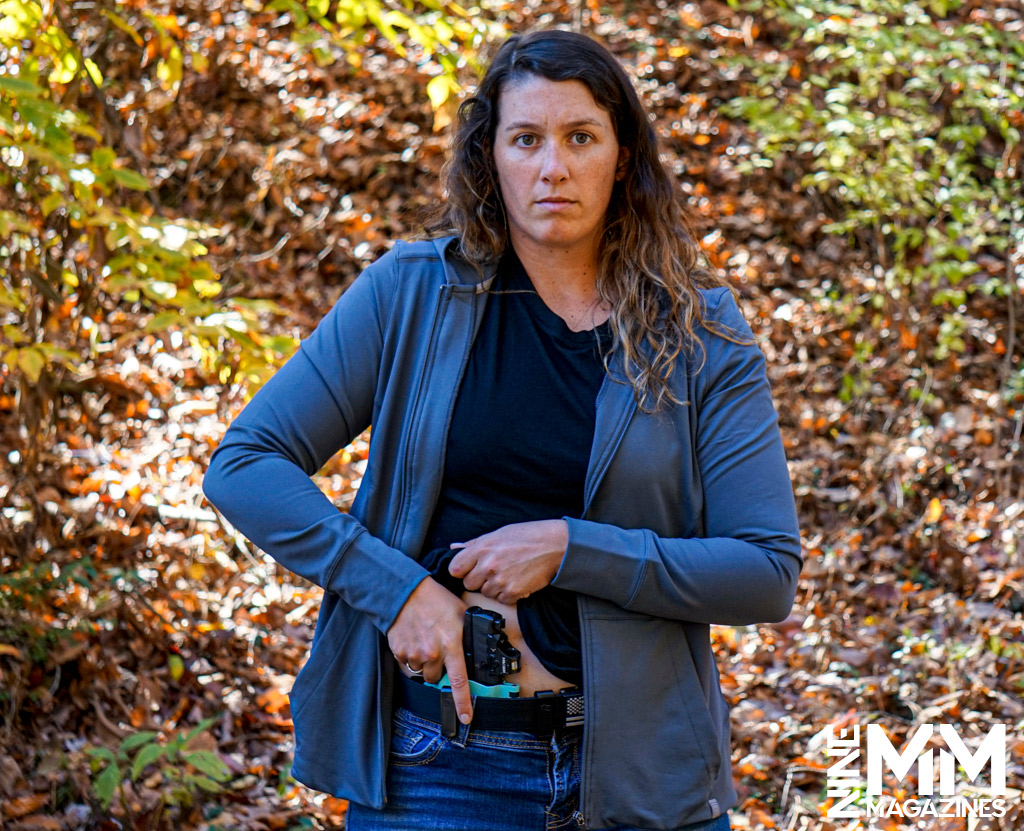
x,y
449,716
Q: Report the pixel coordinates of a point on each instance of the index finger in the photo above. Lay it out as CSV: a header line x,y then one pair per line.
x,y
458,678
462,563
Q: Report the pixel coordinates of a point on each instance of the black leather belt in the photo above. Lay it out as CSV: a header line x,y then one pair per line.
x,y
542,715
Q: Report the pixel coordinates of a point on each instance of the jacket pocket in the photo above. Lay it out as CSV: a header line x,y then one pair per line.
x,y
654,765
334,628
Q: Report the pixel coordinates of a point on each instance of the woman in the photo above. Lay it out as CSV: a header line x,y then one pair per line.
x,y
571,426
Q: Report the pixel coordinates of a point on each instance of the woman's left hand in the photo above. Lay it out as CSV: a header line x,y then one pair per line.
x,y
514,561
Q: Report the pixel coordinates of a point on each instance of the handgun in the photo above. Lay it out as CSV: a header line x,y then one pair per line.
x,y
490,656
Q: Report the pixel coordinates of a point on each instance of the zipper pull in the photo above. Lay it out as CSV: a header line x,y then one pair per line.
x,y
578,818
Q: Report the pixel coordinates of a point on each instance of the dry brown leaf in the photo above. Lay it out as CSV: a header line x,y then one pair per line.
x,y
22,805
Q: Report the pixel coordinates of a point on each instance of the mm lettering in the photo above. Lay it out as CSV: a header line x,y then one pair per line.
x,y
992,752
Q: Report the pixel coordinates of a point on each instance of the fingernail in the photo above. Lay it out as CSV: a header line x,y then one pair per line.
x,y
465,718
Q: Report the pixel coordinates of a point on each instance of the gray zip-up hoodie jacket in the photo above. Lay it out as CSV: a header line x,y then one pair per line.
x,y
689,520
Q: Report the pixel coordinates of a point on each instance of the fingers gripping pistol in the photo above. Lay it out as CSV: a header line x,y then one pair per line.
x,y
490,656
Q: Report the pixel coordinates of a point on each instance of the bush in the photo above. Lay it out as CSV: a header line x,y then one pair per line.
x,y
906,120
87,263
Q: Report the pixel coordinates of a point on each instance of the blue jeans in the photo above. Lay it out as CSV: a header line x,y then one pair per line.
x,y
482,781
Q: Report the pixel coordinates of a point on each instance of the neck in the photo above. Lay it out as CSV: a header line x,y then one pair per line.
x,y
566,280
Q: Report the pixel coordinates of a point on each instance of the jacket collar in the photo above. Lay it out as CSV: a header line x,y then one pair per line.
x,y
458,271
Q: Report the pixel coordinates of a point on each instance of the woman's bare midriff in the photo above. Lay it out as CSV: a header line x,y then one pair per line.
x,y
533,677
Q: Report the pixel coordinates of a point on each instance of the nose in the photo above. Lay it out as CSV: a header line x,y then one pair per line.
x,y
553,167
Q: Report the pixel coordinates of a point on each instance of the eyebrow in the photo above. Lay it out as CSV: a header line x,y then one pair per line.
x,y
572,125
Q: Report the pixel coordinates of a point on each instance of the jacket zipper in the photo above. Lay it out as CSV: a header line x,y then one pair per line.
x,y
408,437
443,294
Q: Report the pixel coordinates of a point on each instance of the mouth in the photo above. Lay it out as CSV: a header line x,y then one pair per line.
x,y
555,200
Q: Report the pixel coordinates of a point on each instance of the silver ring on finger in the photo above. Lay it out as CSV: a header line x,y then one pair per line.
x,y
413,671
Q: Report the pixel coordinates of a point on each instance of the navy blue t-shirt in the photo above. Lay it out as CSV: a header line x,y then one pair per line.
x,y
519,445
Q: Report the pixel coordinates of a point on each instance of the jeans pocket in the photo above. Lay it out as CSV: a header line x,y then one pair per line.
x,y
412,741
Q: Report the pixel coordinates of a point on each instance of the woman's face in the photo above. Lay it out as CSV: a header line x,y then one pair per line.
x,y
556,157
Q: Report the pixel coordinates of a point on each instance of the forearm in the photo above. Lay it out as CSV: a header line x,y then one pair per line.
x,y
272,501
706,580
313,406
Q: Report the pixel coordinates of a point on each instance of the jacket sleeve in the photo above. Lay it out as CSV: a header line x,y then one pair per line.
x,y
322,398
745,567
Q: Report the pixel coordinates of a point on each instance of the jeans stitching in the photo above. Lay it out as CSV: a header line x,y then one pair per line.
x,y
433,749
486,738
572,800
425,756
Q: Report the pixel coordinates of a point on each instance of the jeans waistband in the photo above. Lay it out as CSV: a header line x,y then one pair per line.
x,y
542,714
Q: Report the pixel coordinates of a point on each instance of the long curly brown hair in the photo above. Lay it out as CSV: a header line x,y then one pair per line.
x,y
650,266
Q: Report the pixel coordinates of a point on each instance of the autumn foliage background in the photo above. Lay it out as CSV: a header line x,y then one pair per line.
x,y
185,189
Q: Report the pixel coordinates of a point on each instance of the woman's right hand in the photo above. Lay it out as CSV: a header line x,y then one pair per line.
x,y
427,636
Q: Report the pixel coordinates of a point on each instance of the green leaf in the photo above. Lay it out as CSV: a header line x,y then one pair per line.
x,y
438,89
176,666
130,179
104,157
19,86
51,202
160,290
206,288
170,69
94,72
138,739
124,26
205,724
162,321
149,754
65,67
209,763
104,753
105,784
205,783
12,299
31,361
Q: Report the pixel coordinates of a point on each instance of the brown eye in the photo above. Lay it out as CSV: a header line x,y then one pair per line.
x,y
525,140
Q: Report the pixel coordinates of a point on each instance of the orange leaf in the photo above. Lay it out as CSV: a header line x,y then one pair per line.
x,y
22,805
934,511
39,822
273,700
334,806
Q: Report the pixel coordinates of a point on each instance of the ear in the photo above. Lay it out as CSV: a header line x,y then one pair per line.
x,y
620,168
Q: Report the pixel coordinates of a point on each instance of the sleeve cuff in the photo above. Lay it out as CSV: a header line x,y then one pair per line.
x,y
378,579
603,560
